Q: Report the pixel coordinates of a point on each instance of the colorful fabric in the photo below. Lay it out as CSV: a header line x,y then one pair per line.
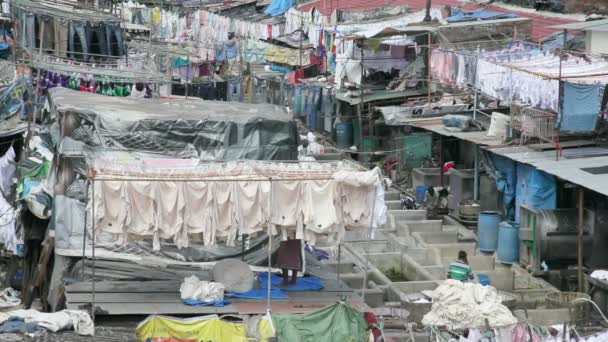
x,y
339,322
460,271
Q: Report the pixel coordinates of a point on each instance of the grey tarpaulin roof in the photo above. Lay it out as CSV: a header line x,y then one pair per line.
x,y
127,109
63,11
209,130
569,167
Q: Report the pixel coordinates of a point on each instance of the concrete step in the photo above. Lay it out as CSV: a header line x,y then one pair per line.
x,y
408,215
393,205
391,196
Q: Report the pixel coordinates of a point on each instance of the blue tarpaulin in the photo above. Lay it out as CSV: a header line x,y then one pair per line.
x,y
302,284
521,184
195,302
505,173
278,7
479,15
581,107
258,294
535,189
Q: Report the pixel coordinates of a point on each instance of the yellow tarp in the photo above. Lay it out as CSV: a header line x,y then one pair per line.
x,y
198,328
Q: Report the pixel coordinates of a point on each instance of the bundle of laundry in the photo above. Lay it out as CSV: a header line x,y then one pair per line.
x,y
213,211
29,321
194,291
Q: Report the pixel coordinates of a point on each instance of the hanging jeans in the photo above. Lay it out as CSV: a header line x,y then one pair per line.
x,y
29,39
136,17
221,88
298,99
78,35
46,34
260,87
61,37
207,91
328,107
234,90
96,36
115,40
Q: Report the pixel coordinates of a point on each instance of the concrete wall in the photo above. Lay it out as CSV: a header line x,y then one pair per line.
x,y
597,42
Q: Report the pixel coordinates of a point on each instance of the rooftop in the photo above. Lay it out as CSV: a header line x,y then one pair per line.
x,y
542,25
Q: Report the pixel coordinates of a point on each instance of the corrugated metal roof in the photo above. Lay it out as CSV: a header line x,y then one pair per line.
x,y
541,25
479,137
569,167
593,25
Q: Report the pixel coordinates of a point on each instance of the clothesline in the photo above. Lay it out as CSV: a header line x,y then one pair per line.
x,y
56,10
67,66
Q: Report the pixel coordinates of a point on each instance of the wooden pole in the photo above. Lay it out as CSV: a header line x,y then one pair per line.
x,y
581,200
441,160
37,95
428,68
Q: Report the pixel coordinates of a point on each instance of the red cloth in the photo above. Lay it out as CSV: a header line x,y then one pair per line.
x,y
371,320
269,26
294,77
447,166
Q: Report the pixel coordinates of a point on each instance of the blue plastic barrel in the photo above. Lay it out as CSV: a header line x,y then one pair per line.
x,y
344,134
487,230
420,192
508,243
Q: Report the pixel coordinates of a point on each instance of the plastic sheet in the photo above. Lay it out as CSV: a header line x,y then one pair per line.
x,y
535,189
302,284
339,322
258,294
504,171
207,130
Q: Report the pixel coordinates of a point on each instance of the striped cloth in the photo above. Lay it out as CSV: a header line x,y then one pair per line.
x,y
460,271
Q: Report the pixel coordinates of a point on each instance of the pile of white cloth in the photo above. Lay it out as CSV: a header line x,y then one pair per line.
x,y
204,291
55,321
458,305
599,274
9,298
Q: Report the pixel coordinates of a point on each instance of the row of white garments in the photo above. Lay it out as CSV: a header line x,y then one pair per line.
x,y
8,235
223,210
215,28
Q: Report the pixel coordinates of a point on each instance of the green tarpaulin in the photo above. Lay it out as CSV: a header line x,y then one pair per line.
x,y
339,322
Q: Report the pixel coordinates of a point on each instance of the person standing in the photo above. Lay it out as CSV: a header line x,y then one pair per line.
x,y
460,269
290,258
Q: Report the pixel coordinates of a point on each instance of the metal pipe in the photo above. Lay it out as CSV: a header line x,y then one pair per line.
x,y
269,284
475,174
93,252
339,267
581,200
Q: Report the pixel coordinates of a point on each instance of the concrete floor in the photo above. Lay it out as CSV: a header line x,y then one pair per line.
x,y
418,251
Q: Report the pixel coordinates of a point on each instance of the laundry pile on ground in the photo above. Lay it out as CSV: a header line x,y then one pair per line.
x,y
32,321
458,305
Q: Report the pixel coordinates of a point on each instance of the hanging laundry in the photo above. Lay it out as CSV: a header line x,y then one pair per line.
x,y
581,107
